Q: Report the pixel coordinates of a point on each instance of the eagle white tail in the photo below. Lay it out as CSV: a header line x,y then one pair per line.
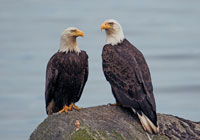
x,y
147,124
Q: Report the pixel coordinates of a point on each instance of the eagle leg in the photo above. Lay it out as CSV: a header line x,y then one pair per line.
x,y
75,107
71,106
65,109
116,104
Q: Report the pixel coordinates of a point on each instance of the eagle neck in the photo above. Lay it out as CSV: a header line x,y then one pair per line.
x,y
114,38
69,44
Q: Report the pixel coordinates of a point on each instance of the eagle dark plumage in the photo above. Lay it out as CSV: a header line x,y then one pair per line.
x,y
66,74
127,72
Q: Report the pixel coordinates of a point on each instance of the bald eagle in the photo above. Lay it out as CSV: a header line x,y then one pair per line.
x,y
66,74
127,72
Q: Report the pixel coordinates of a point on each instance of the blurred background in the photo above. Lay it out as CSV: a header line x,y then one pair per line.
x,y
167,32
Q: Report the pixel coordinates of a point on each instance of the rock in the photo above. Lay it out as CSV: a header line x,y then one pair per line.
x,y
111,123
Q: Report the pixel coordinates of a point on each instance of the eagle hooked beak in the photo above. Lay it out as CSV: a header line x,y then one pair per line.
x,y
78,33
105,26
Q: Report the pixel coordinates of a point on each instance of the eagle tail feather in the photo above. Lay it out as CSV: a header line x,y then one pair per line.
x,y
153,127
147,124
148,136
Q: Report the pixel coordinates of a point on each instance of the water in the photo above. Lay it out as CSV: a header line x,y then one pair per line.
x,y
167,32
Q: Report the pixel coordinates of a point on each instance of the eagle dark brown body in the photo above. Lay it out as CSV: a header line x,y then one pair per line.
x,y
66,76
126,70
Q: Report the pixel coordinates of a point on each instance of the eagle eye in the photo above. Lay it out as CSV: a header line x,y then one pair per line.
x,y
73,31
110,23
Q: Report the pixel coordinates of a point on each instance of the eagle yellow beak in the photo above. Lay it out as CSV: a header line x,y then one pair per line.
x,y
78,33
105,26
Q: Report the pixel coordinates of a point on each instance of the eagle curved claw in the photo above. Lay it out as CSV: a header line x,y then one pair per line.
x,y
76,107
65,109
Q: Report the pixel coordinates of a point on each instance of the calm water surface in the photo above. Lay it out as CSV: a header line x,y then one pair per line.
x,y
167,32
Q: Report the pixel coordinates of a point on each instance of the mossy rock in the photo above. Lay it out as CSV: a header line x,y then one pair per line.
x,y
82,134
111,123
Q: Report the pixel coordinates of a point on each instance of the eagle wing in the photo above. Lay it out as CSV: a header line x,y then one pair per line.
x,y
121,74
122,71
51,80
142,69
85,73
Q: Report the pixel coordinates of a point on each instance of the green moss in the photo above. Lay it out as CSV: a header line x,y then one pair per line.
x,y
95,134
118,136
160,137
103,133
82,134
87,134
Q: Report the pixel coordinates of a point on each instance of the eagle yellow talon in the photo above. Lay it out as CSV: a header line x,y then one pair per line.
x,y
117,104
75,107
65,109
71,106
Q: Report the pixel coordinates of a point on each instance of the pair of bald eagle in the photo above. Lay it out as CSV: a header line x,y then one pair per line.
x,y
124,67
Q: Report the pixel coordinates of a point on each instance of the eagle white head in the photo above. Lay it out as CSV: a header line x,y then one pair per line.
x,y
68,40
114,32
